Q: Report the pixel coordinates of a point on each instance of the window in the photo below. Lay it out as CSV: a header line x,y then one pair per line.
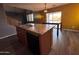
x,y
54,17
30,18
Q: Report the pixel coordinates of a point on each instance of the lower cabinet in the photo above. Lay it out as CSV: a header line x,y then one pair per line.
x,y
33,43
36,43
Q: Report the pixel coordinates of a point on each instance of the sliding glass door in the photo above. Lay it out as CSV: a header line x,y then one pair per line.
x,y
54,17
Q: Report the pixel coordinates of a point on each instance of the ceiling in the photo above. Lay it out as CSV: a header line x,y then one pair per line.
x,y
34,6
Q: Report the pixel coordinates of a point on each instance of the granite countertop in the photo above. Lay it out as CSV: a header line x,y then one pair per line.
x,y
37,28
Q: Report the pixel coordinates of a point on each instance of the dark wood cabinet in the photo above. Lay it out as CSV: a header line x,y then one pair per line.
x,y
37,43
21,34
33,43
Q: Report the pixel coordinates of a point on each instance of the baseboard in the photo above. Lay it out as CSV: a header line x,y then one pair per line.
x,y
71,30
7,36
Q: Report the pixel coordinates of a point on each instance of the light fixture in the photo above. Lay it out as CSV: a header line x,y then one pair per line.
x,y
45,10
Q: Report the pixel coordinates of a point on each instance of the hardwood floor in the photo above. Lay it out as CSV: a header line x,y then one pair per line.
x,y
11,46
67,43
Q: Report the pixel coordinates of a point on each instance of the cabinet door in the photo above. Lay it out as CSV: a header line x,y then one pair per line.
x,y
45,42
21,34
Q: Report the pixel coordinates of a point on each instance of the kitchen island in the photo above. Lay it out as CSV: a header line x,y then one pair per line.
x,y
37,37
